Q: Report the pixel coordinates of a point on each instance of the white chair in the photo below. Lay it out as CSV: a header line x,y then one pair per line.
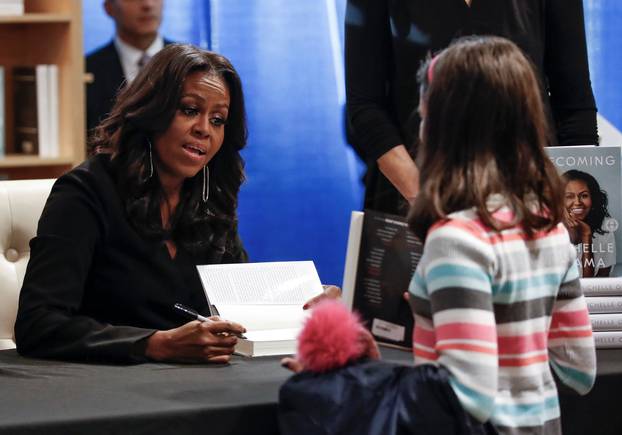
x,y
21,203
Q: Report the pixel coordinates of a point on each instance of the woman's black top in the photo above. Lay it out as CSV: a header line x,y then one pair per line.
x,y
94,288
387,40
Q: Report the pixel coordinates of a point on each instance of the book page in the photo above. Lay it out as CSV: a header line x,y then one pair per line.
x,y
264,317
273,334
292,283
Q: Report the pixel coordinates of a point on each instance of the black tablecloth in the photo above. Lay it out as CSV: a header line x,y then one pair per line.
x,y
600,411
51,397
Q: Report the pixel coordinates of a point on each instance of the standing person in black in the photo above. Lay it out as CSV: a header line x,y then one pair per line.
x,y
386,41
136,40
120,235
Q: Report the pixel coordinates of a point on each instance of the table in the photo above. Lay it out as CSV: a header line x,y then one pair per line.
x,y
52,397
600,411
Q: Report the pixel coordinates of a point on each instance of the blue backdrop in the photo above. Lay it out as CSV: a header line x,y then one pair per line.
x,y
303,180
603,19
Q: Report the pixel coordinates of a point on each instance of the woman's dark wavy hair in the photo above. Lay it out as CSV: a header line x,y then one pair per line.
x,y
145,109
484,133
600,201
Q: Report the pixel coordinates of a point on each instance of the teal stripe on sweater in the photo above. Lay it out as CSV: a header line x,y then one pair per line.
x,y
417,286
533,287
477,404
526,414
574,378
457,276
444,270
572,273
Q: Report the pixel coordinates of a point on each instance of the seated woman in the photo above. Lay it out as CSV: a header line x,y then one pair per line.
x,y
589,223
120,235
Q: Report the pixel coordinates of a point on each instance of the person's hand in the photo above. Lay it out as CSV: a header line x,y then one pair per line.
x,y
210,341
585,231
579,231
365,338
330,292
400,169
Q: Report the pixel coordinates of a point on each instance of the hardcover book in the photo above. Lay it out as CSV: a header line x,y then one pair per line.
x,y
593,203
382,257
266,298
36,107
11,7
26,110
602,286
606,322
608,339
51,142
2,114
604,304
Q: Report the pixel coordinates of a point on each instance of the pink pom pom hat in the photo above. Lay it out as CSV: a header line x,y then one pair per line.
x,y
330,338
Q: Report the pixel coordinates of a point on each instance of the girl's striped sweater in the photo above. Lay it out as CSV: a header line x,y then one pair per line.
x,y
498,309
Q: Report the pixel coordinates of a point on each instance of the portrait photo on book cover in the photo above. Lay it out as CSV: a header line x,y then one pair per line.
x,y
593,205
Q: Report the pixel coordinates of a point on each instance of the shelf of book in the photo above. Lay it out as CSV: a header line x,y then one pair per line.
x,y
12,161
36,18
48,35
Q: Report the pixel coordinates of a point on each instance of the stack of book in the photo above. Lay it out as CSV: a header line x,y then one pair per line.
x,y
604,302
12,7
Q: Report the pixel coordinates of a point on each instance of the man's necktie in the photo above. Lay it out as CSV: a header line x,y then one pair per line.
x,y
143,60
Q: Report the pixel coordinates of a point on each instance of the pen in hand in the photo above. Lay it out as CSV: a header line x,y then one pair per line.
x,y
191,314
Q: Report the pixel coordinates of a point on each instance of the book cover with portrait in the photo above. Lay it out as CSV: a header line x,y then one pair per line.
x,y
593,205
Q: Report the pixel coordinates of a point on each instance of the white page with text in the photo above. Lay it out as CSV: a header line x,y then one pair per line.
x,y
282,283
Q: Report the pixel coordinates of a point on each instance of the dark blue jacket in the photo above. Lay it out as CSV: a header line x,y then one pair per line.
x,y
374,398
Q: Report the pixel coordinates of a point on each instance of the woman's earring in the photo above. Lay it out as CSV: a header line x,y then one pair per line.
x,y
205,195
150,160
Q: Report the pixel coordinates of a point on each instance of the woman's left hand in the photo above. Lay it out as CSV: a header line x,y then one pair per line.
x,y
330,292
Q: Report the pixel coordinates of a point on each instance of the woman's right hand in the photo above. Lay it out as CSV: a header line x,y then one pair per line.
x,y
580,231
210,341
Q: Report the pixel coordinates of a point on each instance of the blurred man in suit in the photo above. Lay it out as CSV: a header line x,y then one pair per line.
x,y
136,40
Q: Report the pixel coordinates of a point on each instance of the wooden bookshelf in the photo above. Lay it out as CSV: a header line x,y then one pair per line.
x,y
50,32
35,18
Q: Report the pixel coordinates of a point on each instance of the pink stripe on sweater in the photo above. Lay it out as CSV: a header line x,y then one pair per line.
x,y
522,343
466,331
432,356
424,336
581,333
476,229
570,318
523,361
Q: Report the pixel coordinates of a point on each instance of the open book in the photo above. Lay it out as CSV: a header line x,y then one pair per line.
x,y
266,298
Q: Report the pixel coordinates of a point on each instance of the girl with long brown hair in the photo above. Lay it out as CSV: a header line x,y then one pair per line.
x,y
496,295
